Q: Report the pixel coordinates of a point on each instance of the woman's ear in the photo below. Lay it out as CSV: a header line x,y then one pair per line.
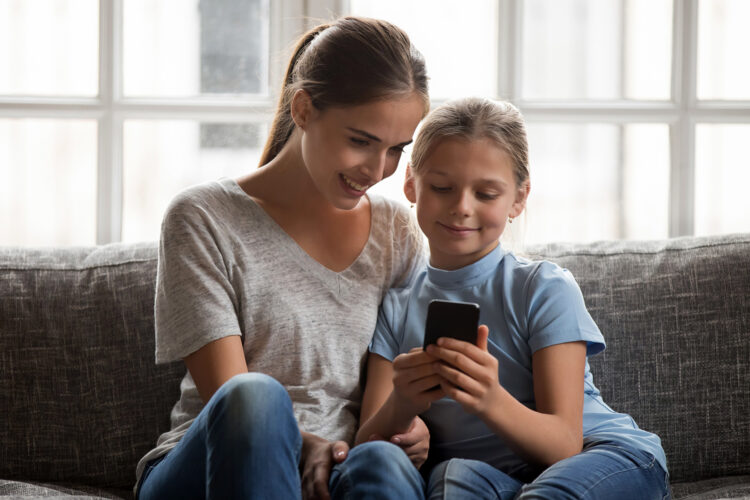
x,y
521,196
409,188
301,108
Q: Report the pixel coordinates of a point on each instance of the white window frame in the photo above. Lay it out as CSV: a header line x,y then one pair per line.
x,y
289,18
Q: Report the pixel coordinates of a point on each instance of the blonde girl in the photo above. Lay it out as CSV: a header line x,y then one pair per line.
x,y
517,415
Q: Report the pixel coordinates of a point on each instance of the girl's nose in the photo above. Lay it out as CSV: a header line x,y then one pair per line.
x,y
462,206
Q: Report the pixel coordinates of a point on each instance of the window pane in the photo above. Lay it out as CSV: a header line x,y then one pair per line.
x,y
47,182
179,48
722,174
49,47
596,49
598,181
723,41
161,158
457,39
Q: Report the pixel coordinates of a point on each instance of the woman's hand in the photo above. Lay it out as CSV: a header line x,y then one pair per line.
x,y
468,372
318,458
416,384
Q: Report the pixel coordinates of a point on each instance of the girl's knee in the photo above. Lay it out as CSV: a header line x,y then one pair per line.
x,y
381,453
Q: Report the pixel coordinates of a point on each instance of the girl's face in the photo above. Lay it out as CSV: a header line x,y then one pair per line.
x,y
346,150
465,191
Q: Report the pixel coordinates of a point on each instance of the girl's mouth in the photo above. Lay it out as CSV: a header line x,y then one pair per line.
x,y
458,230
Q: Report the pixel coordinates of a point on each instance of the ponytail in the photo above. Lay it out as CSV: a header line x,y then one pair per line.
x,y
348,62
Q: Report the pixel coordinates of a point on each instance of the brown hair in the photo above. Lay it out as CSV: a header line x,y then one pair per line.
x,y
476,118
351,61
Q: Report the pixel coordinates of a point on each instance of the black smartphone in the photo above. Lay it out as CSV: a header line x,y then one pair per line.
x,y
445,318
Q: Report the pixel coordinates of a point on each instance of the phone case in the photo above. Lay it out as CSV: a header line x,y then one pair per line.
x,y
458,320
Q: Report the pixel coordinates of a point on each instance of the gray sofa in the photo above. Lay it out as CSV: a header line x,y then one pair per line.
x,y
81,399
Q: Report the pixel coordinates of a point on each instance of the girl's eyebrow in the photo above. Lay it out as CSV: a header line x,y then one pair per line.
x,y
374,137
493,182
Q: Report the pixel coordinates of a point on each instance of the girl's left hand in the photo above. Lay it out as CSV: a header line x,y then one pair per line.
x,y
469,372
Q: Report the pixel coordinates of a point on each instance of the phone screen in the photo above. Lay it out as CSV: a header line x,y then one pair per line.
x,y
458,320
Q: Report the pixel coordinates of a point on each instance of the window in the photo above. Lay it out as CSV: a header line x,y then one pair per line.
x,y
637,110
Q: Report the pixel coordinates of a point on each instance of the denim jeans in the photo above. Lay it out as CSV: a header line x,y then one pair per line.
x,y
603,470
246,443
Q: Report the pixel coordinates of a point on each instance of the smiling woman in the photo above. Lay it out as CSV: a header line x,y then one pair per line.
x,y
268,286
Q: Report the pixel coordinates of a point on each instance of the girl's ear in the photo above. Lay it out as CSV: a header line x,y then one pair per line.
x,y
521,196
301,108
409,188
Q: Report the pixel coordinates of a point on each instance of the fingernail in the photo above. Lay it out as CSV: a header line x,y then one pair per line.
x,y
339,454
396,440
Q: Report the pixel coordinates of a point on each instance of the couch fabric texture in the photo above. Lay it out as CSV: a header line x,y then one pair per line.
x,y
82,399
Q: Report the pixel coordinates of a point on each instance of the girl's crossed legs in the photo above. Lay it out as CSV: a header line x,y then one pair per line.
x,y
603,470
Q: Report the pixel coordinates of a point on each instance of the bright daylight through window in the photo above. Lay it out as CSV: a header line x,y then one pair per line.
x,y
638,111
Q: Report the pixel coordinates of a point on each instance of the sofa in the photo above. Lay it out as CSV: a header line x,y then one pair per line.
x,y
82,400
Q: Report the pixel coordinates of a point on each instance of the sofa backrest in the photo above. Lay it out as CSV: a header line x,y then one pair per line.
x,y
81,397
676,318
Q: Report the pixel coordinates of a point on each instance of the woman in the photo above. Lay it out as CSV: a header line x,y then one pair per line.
x,y
280,273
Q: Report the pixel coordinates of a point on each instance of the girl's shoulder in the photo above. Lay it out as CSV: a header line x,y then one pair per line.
x,y
539,276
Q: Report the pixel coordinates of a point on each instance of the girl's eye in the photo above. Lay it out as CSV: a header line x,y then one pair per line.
x,y
359,142
486,196
440,189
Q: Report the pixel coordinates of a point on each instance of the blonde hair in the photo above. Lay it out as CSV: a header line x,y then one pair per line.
x,y
475,118
350,61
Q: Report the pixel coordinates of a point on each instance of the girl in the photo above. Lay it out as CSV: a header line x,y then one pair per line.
x,y
280,274
522,400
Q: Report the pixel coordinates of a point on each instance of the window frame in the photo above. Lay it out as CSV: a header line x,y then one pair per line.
x,y
682,113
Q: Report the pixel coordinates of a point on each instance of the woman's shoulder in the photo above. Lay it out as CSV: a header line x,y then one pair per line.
x,y
216,199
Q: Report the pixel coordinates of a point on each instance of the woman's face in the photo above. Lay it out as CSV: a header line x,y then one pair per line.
x,y
346,150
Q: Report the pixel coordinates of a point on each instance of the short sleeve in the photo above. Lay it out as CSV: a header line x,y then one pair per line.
x,y
195,302
386,341
556,312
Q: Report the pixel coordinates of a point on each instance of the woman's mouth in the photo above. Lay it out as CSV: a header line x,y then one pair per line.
x,y
353,185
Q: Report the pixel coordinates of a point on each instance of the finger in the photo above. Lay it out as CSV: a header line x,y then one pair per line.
x,y
459,379
460,354
483,334
321,483
339,451
424,385
412,359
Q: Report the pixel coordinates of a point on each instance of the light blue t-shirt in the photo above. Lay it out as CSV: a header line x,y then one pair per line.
x,y
527,305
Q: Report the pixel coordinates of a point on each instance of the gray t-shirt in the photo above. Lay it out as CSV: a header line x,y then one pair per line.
x,y
227,268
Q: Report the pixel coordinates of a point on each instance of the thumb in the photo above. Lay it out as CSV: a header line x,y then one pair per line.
x,y
339,451
482,333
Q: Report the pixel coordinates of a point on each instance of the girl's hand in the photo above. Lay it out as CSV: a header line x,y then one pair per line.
x,y
318,458
468,372
415,382
415,441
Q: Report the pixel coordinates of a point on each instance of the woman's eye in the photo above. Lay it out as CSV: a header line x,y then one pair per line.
x,y
396,151
359,142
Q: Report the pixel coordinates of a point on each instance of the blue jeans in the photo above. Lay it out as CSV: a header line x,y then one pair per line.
x,y
603,470
246,443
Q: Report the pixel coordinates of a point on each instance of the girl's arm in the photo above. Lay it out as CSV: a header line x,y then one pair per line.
x,y
550,433
395,393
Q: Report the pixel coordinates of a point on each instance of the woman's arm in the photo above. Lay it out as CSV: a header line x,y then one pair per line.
x,y
550,433
215,363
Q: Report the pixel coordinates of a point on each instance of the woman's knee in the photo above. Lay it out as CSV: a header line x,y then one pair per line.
x,y
251,400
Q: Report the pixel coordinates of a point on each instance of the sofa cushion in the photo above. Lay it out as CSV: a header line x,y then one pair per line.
x,y
82,397
676,318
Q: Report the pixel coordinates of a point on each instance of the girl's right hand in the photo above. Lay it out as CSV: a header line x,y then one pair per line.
x,y
415,383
